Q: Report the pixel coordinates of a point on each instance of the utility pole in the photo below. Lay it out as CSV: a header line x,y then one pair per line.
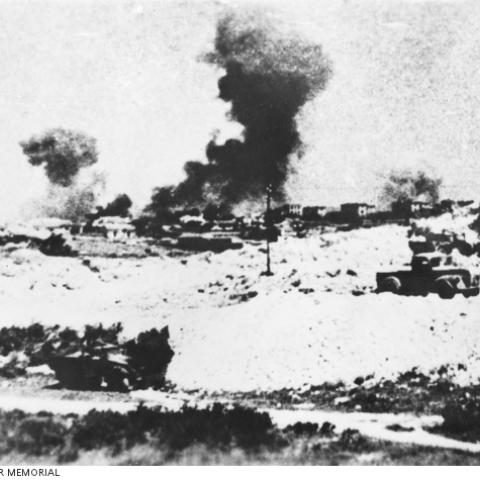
x,y
268,224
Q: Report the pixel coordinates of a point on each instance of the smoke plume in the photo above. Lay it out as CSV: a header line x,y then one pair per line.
x,y
268,77
75,201
407,185
118,207
62,152
73,188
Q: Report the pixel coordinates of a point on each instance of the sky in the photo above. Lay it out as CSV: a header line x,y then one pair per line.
x,y
404,93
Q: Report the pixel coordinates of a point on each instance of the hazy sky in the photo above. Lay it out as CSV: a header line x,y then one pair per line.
x,y
405,91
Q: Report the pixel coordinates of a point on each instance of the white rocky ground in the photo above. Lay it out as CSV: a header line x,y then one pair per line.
x,y
233,329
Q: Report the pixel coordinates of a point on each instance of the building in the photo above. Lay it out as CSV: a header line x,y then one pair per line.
x,y
51,224
356,211
411,208
465,203
291,210
314,212
418,206
48,225
114,228
446,205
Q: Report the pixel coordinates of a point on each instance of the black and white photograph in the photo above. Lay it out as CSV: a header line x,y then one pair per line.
x,y
239,233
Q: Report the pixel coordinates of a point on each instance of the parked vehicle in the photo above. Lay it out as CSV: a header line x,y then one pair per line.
x,y
431,272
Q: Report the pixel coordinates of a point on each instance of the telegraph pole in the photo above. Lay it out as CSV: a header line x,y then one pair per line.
x,y
268,223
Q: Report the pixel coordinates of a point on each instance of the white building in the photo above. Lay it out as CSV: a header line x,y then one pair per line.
x,y
115,228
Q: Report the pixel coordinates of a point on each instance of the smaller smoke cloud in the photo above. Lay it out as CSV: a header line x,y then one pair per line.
x,y
66,155
73,202
62,152
408,185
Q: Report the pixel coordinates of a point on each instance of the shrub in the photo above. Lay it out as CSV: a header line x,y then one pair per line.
x,y
174,430
303,428
107,429
216,427
14,339
354,441
149,354
462,415
38,436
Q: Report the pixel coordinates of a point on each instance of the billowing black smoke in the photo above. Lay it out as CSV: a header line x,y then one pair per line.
x,y
118,207
268,78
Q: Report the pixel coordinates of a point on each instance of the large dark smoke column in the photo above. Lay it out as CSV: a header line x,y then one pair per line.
x,y
269,77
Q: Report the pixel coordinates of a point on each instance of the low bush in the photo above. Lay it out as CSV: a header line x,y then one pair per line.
x,y
303,428
462,417
172,432
149,354
38,436
353,441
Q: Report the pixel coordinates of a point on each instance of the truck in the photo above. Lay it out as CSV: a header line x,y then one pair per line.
x,y
430,272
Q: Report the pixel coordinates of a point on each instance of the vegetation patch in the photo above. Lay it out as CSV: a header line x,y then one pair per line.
x,y
65,436
461,418
411,391
217,435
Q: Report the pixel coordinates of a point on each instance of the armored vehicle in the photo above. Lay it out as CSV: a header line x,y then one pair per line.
x,y
430,272
96,365
87,372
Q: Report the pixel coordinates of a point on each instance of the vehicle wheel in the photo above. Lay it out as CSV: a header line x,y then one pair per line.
x,y
464,248
447,249
445,289
390,284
